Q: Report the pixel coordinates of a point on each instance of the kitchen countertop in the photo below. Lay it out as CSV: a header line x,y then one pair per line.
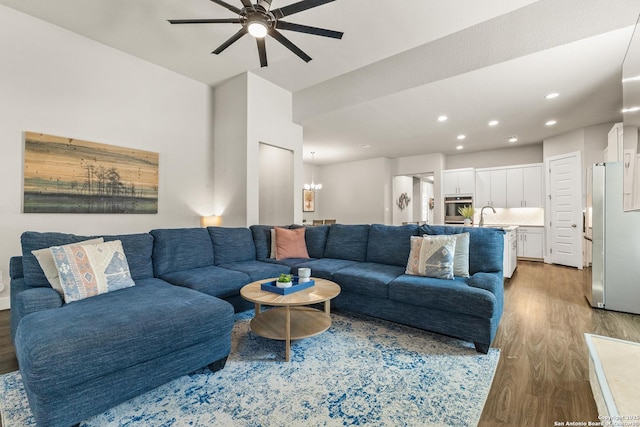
x,y
503,226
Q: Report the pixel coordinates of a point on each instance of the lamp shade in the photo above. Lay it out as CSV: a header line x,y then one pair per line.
x,y
210,221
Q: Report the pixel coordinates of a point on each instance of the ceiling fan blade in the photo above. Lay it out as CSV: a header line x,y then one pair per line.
x,y
262,51
246,3
289,45
206,21
228,6
234,38
281,25
297,7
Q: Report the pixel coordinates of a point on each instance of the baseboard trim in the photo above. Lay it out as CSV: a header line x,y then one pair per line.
x,y
5,303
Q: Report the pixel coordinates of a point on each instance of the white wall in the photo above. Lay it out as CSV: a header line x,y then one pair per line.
x,y
417,165
249,110
307,168
355,192
494,158
57,82
230,147
276,185
269,116
403,184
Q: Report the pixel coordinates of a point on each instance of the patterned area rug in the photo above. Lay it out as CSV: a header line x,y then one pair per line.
x,y
362,371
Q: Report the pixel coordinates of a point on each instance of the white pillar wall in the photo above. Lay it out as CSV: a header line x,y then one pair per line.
x,y
249,111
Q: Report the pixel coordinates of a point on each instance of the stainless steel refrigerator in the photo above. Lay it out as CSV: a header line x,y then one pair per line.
x,y
615,271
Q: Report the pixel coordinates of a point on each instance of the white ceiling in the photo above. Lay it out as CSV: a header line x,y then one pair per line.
x,y
400,64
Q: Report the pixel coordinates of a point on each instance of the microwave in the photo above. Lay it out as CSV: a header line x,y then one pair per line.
x,y
452,207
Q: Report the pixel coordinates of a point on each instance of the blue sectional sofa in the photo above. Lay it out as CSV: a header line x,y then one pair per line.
x,y
79,359
82,358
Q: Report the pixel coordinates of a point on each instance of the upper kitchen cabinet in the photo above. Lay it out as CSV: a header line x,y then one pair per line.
x,y
524,187
458,181
491,188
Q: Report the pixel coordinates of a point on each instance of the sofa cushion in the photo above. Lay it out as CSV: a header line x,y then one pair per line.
x,y
432,256
137,248
292,263
367,278
232,245
113,331
290,243
176,249
316,238
348,242
48,265
390,244
454,296
87,270
258,270
486,245
262,240
212,280
326,267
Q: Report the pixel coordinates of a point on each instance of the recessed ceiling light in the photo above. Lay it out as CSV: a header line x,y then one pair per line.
x,y
459,147
512,139
442,118
493,123
630,110
551,122
461,137
552,95
365,145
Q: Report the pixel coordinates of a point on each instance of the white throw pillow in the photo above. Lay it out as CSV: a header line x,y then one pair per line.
x,y
432,256
48,266
461,257
272,253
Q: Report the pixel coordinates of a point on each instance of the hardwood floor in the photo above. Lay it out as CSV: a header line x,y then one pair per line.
x,y
8,362
543,373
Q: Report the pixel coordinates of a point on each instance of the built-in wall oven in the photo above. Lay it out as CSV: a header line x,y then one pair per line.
x,y
452,207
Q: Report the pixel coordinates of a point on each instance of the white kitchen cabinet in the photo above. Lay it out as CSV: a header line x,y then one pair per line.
x,y
531,242
524,187
510,259
458,181
491,188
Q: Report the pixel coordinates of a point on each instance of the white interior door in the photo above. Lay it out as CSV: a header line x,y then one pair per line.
x,y
565,210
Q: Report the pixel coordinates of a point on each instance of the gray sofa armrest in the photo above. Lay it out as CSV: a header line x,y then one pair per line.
x,y
30,301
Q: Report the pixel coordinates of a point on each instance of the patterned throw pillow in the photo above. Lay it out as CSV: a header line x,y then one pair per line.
x,y
89,270
432,256
48,265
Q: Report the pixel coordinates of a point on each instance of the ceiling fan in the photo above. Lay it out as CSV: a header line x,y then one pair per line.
x,y
259,20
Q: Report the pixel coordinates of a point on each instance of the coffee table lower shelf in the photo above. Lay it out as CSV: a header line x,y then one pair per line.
x,y
302,322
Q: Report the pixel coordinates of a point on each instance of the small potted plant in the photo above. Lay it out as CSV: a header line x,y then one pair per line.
x,y
284,281
467,213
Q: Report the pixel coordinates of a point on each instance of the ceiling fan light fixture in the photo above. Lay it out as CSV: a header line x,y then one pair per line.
x,y
257,28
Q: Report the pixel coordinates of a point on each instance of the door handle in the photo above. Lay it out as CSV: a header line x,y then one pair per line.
x,y
573,225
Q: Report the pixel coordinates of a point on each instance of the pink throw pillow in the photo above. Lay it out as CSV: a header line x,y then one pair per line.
x,y
290,243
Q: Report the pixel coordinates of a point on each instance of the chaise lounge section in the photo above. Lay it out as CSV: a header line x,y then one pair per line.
x,y
79,359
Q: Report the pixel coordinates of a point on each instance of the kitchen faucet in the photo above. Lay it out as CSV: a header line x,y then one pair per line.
x,y
482,214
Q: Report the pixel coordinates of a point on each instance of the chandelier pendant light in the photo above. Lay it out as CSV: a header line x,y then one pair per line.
x,y
313,186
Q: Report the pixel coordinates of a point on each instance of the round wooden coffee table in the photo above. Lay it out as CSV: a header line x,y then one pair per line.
x,y
291,320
